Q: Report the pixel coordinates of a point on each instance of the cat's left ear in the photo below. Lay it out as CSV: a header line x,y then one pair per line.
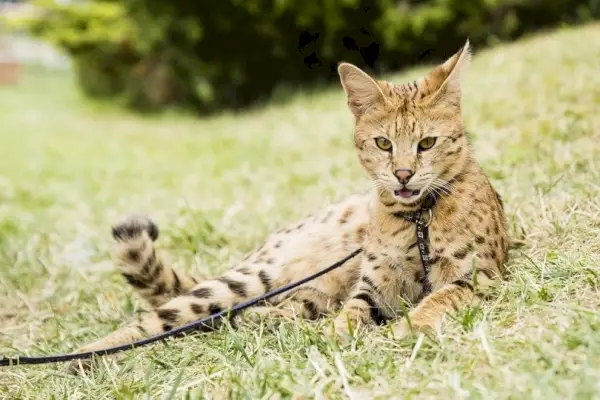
x,y
444,83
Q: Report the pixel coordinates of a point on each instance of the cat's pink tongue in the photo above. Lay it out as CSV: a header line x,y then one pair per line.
x,y
405,193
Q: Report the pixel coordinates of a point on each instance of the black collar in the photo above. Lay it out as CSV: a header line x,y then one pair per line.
x,y
416,216
422,233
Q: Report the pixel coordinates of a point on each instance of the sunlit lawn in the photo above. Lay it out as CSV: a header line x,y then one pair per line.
x,y
216,186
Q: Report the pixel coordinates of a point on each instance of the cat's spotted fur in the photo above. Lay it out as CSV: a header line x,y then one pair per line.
x,y
468,228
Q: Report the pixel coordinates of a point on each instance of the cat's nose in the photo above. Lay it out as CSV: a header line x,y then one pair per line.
x,y
403,175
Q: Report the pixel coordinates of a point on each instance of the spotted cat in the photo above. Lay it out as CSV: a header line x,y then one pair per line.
x,y
411,142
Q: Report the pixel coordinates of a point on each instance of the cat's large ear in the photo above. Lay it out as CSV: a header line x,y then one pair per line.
x,y
364,94
443,84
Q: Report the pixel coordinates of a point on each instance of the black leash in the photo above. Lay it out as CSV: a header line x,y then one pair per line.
x,y
422,234
204,324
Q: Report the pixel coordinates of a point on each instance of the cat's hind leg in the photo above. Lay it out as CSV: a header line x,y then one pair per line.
x,y
208,297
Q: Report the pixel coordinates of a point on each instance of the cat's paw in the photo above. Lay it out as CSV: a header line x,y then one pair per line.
x,y
271,317
131,227
402,329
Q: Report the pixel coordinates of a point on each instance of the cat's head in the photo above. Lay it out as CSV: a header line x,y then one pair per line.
x,y
410,137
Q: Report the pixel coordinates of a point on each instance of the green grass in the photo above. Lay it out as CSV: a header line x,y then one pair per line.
x,y
217,186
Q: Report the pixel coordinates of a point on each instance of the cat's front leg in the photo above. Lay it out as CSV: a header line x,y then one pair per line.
x,y
369,303
430,311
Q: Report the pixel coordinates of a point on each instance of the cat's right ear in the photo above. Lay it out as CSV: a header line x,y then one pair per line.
x,y
364,94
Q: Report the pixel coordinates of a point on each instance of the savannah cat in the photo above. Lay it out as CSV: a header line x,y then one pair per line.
x,y
411,142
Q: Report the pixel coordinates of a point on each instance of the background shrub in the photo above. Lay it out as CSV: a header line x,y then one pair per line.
x,y
208,54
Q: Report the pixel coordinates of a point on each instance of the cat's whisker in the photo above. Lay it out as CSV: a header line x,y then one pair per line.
x,y
440,189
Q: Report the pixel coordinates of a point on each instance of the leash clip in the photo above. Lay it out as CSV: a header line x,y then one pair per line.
x,y
427,220
427,205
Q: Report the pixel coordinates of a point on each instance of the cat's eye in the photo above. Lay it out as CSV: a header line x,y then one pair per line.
x,y
426,143
383,143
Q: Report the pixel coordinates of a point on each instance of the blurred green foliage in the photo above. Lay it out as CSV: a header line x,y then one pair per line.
x,y
208,54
